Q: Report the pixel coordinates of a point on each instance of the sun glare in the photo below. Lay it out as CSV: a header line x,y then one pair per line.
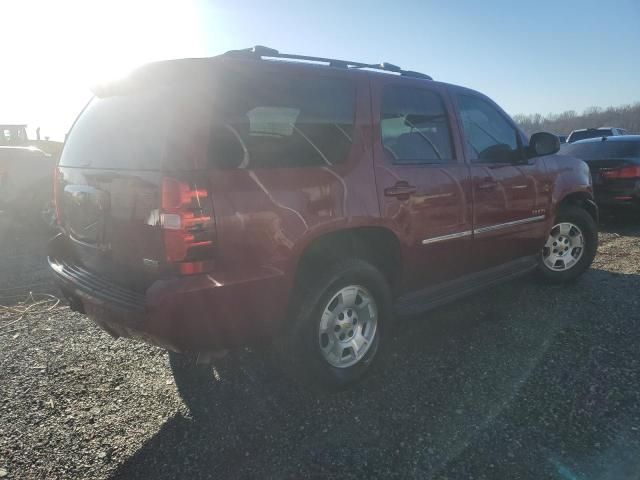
x,y
73,45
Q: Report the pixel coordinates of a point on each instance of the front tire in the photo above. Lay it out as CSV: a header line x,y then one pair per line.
x,y
571,246
339,320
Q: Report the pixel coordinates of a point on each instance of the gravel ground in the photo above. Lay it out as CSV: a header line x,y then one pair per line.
x,y
523,381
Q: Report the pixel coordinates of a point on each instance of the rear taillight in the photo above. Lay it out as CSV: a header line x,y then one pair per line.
x,y
186,219
632,171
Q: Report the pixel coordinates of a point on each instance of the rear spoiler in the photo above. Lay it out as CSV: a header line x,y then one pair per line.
x,y
166,72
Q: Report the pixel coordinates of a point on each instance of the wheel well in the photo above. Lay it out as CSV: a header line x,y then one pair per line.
x,y
377,245
582,200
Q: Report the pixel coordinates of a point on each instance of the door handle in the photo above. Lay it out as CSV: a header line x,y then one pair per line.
x,y
401,190
487,184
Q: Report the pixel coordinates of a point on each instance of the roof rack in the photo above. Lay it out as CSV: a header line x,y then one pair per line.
x,y
260,51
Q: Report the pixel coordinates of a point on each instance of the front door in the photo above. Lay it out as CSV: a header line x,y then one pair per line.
x,y
423,184
510,193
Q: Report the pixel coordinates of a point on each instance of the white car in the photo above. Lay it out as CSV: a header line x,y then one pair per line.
x,y
584,133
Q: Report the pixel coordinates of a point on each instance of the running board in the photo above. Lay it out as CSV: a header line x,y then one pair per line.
x,y
426,299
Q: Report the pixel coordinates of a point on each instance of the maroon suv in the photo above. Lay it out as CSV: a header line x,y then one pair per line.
x,y
258,197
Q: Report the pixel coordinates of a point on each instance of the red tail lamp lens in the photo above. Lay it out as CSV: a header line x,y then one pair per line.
x,y
187,220
624,172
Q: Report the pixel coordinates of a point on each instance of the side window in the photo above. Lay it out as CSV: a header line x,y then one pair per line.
x,y
278,120
487,132
415,126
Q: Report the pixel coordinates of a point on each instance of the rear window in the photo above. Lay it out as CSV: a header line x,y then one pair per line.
x,y
123,132
602,150
415,126
583,135
273,119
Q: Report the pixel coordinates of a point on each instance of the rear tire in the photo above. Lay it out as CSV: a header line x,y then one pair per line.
x,y
196,383
340,317
571,246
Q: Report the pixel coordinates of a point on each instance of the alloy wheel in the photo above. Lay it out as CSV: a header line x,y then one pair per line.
x,y
564,247
348,326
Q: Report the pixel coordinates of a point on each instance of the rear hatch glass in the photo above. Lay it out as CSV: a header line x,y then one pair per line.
x,y
603,150
120,132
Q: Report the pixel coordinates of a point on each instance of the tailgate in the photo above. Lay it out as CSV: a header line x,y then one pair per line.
x,y
109,220
108,187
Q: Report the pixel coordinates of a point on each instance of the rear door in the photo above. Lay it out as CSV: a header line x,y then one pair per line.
x,y
511,195
423,183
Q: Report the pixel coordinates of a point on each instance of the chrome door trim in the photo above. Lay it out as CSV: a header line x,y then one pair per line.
x,y
488,228
451,236
500,226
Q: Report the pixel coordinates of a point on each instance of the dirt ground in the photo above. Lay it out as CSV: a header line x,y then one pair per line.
x,y
521,381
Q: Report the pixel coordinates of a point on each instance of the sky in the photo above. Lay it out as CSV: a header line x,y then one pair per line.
x,y
530,57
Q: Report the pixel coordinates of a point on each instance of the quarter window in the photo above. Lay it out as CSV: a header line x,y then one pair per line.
x,y
415,126
278,120
490,137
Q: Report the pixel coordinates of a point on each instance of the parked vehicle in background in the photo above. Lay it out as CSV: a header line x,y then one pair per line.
x,y
13,135
212,204
26,175
585,133
615,168
562,138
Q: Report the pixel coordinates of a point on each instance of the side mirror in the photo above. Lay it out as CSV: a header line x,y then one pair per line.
x,y
543,143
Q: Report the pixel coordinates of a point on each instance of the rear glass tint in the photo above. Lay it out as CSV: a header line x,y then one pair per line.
x,y
123,132
272,119
603,150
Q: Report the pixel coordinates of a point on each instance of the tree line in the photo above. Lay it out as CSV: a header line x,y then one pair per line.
x,y
625,116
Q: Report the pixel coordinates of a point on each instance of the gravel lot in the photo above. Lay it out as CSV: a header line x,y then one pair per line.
x,y
524,381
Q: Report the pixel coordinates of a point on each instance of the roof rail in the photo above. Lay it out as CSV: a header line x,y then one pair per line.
x,y
260,51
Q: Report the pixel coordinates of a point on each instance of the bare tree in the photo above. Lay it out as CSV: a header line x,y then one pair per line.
x,y
625,116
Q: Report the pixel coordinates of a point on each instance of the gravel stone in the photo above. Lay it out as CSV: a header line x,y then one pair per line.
x,y
525,381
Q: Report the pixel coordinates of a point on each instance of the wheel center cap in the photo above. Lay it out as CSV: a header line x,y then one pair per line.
x,y
563,243
346,326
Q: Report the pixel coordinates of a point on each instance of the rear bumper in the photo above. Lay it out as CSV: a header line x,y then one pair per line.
x,y
616,196
199,313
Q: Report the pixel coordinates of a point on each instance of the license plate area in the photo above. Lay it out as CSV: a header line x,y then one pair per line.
x,y
86,210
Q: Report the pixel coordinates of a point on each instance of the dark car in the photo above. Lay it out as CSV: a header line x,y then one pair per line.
x,y
252,198
562,138
585,133
615,168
